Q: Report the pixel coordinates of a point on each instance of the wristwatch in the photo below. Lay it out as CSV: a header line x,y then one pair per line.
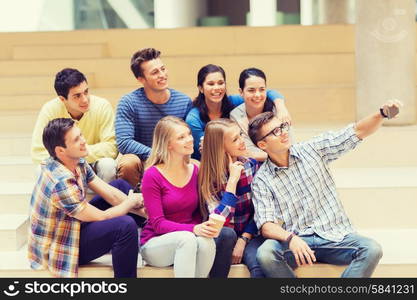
x,y
246,239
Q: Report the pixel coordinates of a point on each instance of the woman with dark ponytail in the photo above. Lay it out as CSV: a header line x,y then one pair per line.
x,y
252,88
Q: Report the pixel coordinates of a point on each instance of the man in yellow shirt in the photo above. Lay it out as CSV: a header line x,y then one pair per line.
x,y
92,114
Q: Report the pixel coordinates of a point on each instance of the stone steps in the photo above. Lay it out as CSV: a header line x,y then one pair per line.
x,y
14,144
54,51
302,69
388,147
13,231
237,271
338,38
17,169
32,84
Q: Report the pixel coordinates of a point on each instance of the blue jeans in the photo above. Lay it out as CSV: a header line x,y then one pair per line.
x,y
360,253
249,257
225,243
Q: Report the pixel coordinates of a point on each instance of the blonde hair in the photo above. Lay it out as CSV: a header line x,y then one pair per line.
x,y
162,134
213,171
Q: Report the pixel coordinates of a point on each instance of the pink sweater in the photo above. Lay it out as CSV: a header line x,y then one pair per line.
x,y
169,208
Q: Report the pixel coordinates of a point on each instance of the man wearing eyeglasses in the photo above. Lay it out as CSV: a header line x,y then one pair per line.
x,y
296,205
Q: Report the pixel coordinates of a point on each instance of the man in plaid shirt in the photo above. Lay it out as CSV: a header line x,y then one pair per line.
x,y
296,204
66,230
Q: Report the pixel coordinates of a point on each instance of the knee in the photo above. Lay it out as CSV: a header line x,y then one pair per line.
x,y
130,168
106,169
187,239
227,236
268,253
373,250
121,185
130,161
127,225
206,245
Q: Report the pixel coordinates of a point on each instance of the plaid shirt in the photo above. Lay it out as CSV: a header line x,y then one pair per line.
x,y
303,197
54,233
238,209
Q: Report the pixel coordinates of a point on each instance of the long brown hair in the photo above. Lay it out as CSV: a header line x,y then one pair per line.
x,y
161,136
213,171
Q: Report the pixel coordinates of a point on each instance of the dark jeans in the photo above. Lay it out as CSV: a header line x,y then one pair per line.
x,y
225,244
121,185
118,235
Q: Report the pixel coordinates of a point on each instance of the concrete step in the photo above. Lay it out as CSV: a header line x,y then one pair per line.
x,y
338,38
13,231
294,70
388,147
17,122
54,51
389,239
394,263
34,101
378,197
17,84
15,197
28,83
17,169
14,144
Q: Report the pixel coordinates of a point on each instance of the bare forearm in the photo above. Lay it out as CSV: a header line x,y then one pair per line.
x,y
274,231
117,211
368,125
115,196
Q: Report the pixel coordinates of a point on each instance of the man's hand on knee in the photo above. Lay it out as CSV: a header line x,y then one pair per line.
x,y
302,252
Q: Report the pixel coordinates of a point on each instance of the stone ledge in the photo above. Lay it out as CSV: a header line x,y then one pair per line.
x,y
99,270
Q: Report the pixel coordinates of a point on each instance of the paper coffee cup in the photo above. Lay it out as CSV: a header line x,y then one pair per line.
x,y
218,221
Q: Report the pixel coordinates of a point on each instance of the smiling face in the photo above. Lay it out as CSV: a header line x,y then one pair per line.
x,y
214,87
155,75
78,100
254,93
181,141
233,141
271,143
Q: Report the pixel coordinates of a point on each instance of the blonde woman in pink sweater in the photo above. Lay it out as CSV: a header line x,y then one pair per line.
x,y
175,234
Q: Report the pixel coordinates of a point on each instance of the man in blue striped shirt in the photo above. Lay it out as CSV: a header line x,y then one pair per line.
x,y
138,112
296,204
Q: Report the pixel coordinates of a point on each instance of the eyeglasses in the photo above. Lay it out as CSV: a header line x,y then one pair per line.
x,y
277,131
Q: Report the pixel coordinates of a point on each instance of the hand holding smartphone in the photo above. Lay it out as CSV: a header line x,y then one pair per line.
x,y
391,109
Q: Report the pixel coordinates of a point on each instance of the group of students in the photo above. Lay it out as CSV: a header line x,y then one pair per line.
x,y
228,155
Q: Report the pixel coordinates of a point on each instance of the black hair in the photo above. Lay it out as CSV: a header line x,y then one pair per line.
x,y
67,79
200,100
245,74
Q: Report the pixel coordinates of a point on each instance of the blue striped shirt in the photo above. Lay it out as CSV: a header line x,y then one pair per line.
x,y
303,197
136,118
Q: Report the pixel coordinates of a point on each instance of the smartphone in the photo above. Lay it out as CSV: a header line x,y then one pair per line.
x,y
391,111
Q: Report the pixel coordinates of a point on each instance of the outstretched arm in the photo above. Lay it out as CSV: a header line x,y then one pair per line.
x,y
370,124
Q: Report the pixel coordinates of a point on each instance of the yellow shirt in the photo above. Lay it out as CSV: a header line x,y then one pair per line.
x,y
97,126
